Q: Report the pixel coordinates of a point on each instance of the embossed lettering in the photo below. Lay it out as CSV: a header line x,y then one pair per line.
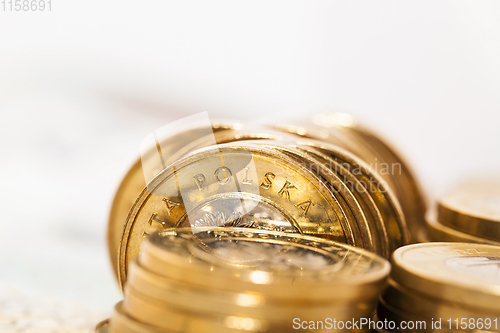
x,y
268,180
304,206
247,181
153,218
285,190
200,180
225,173
170,205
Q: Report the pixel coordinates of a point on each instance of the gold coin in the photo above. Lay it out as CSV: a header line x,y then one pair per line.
x,y
474,209
159,290
134,182
465,273
120,322
279,265
428,307
236,185
441,233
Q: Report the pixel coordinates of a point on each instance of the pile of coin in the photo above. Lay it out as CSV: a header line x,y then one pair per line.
x,y
219,280
327,178
443,287
470,213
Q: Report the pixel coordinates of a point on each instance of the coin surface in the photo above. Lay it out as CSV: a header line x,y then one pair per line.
x,y
465,273
473,208
235,185
279,265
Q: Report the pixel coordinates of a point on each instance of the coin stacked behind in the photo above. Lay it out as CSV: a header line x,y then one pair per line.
x,y
440,287
469,214
218,280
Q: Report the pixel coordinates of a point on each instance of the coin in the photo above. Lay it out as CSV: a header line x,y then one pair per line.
x,y
161,291
465,273
441,233
281,266
235,185
120,322
473,208
418,304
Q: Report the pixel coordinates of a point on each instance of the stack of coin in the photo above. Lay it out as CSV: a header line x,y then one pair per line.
x,y
218,280
268,178
470,213
443,287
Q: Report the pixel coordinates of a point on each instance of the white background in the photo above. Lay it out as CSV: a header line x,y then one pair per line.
x,y
82,85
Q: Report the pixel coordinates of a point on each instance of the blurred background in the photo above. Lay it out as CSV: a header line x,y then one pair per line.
x,y
82,85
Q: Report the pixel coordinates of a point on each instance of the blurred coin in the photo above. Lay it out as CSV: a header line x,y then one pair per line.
x,y
120,322
412,302
465,273
474,209
441,233
279,265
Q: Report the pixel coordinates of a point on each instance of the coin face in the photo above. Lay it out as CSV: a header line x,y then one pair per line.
x,y
278,265
465,273
474,208
235,185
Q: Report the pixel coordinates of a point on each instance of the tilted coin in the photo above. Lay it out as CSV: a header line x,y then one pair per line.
x,y
465,273
279,265
235,185
160,291
473,208
441,233
134,182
